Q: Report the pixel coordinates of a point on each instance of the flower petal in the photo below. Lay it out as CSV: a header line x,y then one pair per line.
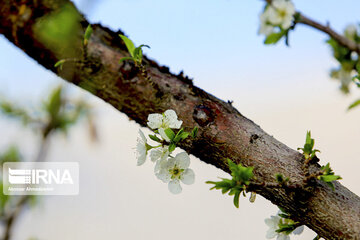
x,y
163,175
182,160
270,222
155,120
170,118
143,138
271,233
163,134
298,230
159,165
174,187
188,177
155,155
141,159
282,236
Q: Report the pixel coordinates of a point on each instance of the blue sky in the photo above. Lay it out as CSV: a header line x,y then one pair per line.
x,y
199,36
286,90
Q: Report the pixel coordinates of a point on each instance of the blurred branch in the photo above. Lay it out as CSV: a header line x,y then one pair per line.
x,y
60,114
342,40
23,200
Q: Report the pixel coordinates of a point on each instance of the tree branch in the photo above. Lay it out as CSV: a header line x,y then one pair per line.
x,y
342,40
223,131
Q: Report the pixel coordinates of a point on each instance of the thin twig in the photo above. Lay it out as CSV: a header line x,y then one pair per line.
x,y
342,40
12,216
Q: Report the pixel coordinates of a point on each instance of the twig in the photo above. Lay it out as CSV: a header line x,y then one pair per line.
x,y
11,218
342,40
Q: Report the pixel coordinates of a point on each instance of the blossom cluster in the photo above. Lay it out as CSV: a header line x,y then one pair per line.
x,y
281,227
169,169
349,60
278,14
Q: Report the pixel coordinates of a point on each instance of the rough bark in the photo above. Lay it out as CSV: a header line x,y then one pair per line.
x,y
223,131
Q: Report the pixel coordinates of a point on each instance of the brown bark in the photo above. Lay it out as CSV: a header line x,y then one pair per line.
x,y
223,131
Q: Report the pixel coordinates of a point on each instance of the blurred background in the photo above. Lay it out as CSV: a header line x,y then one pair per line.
x,y
286,90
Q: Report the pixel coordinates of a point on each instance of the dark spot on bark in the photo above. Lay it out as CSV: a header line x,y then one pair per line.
x,y
253,138
128,70
179,97
13,9
91,65
315,159
203,115
159,94
167,85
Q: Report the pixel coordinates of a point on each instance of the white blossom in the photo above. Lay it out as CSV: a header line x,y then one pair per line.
x,y
265,26
141,148
159,155
345,77
273,224
163,121
175,170
350,31
279,13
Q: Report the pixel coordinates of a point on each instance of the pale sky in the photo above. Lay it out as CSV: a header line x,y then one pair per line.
x,y
286,91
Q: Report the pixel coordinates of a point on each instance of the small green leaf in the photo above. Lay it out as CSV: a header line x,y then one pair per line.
x,y
236,199
87,34
178,137
170,133
184,135
232,166
155,138
354,104
138,54
327,169
308,139
129,45
54,103
172,147
274,37
143,45
287,228
329,178
194,132
60,63
284,215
